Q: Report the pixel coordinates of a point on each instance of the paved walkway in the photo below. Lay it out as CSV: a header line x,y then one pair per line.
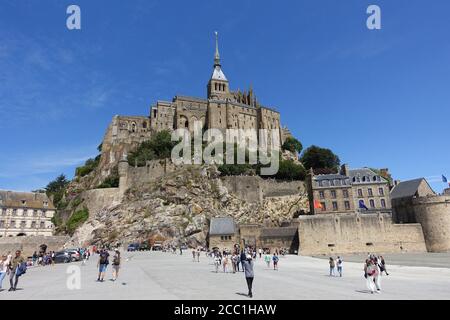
x,y
158,275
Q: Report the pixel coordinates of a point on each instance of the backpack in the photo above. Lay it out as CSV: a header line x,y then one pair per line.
x,y
116,261
21,269
103,258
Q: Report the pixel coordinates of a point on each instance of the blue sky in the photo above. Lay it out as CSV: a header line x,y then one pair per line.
x,y
376,98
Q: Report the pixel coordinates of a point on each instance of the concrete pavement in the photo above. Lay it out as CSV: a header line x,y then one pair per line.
x,y
158,275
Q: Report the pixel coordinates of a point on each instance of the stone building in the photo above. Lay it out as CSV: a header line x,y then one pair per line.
x,y
415,201
221,109
25,214
223,233
347,191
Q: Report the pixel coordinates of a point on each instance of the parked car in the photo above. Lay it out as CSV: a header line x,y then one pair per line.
x,y
157,247
74,254
144,246
133,247
62,257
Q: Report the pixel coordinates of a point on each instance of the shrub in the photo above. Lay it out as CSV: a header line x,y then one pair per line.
x,y
76,220
88,167
292,145
158,147
316,157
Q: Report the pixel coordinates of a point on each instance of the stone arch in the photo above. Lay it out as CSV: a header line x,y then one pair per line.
x,y
133,127
21,234
184,122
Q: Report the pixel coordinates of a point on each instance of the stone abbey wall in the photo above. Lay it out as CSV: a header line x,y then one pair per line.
x,y
31,243
357,233
255,188
433,213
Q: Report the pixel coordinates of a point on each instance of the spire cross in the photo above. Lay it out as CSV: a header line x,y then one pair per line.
x,y
217,55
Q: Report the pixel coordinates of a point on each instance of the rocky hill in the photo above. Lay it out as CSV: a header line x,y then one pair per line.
x,y
178,208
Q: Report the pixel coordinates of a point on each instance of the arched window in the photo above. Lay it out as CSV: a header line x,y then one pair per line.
x,y
372,203
144,125
215,86
133,127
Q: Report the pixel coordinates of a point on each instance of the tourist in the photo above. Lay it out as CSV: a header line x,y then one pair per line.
x,y
238,260
198,255
332,266
193,255
116,265
340,263
225,264
102,264
267,259
4,263
217,262
383,265
377,275
369,273
275,260
34,258
247,265
260,253
15,270
234,258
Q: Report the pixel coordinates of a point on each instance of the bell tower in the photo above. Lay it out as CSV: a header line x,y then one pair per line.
x,y
218,87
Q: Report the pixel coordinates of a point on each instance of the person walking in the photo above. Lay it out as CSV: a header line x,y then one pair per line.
x,y
15,270
34,258
217,262
267,259
383,266
260,253
4,264
275,260
102,264
332,266
377,274
234,261
198,255
339,264
238,260
116,265
369,273
193,255
225,264
247,265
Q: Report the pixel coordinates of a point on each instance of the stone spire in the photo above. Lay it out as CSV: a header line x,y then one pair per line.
x,y
217,55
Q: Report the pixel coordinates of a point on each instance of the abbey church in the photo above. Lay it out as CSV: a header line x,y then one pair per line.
x,y
221,109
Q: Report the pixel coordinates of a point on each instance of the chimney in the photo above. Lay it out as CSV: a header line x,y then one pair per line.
x,y
345,170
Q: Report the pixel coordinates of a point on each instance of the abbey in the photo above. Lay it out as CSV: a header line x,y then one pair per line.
x,y
221,109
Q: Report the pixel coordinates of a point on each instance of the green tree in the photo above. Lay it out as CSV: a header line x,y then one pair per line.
x,y
289,170
320,158
158,147
56,190
292,145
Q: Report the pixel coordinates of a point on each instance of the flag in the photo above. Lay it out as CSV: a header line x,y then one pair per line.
x,y
362,205
317,205
444,179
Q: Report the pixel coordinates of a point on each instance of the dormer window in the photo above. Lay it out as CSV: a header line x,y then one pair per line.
x,y
24,202
45,203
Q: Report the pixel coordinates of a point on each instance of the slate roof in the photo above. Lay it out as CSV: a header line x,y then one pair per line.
x,y
222,226
218,74
33,200
329,177
281,232
406,189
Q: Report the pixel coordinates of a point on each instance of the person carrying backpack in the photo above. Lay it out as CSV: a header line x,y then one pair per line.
x,y
275,260
116,265
102,264
17,267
